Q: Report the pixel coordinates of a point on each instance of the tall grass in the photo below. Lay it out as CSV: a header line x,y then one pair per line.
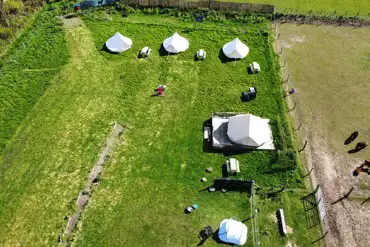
x,y
27,71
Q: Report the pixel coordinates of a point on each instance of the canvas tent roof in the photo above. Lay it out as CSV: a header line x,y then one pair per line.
x,y
248,130
176,44
118,43
235,49
232,231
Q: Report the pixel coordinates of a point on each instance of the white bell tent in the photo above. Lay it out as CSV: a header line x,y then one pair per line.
x,y
176,44
235,49
232,231
118,43
249,130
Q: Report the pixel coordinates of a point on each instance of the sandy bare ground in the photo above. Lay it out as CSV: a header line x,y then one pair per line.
x,y
346,221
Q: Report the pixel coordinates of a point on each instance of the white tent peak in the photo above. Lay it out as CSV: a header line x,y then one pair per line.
x,y
235,49
176,43
232,231
118,43
248,130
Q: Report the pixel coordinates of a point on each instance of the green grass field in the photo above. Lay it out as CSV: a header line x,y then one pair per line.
x,y
155,174
327,6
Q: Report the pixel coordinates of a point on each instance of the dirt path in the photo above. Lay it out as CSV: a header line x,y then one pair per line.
x,y
84,196
78,33
346,221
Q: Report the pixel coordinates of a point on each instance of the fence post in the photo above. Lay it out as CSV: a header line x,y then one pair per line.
x,y
287,78
283,64
303,176
326,233
298,127
295,104
362,203
303,148
343,197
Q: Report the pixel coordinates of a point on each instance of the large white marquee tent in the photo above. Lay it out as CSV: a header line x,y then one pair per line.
x,y
118,43
235,49
176,44
249,130
232,231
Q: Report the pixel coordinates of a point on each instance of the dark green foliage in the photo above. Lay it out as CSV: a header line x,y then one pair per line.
x,y
27,72
189,14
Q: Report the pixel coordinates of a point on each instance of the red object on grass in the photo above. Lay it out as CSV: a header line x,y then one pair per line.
x,y
77,8
160,91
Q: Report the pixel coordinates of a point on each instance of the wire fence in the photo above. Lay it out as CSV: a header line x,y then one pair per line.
x,y
322,17
299,128
332,13
300,131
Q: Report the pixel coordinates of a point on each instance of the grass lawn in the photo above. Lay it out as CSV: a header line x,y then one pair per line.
x,y
327,6
155,174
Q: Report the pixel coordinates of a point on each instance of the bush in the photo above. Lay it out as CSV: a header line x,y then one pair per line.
x,y
13,7
34,3
5,32
286,159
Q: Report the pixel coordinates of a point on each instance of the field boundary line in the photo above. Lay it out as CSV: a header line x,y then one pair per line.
x,y
299,133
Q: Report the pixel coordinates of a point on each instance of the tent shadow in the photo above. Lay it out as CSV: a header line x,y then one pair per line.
x,y
224,58
218,240
105,49
207,148
249,70
236,151
162,52
225,174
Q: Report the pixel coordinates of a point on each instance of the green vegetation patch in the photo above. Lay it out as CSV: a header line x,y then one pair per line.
x,y
27,71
